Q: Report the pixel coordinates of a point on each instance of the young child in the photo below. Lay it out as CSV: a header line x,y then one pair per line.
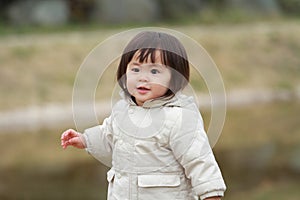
x,y
154,139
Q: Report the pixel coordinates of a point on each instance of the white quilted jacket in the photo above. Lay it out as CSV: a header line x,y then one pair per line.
x,y
157,151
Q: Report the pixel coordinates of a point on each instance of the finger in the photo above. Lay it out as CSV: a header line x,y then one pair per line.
x,y
68,134
77,142
69,142
64,144
74,141
65,133
65,138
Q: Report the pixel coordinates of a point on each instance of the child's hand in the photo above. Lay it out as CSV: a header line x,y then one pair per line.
x,y
71,137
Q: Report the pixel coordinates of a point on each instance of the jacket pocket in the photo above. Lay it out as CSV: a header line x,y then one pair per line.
x,y
163,187
159,180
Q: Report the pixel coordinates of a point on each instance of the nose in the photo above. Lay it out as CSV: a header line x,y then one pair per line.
x,y
143,77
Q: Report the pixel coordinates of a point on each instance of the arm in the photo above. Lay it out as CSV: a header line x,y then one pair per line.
x,y
191,148
99,141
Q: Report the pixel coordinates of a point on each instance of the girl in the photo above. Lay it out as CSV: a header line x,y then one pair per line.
x,y
154,140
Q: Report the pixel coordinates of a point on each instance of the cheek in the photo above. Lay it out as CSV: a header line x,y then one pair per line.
x,y
162,83
129,83
165,81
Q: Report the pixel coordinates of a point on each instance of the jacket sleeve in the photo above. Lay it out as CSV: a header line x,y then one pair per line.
x,y
99,142
191,148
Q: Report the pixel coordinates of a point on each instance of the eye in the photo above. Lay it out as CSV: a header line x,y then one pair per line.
x,y
154,71
135,69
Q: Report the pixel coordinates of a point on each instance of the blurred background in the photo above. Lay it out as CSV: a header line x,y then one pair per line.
x,y
255,44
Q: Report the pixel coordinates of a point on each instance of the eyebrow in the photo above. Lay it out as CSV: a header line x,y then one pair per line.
x,y
136,63
158,65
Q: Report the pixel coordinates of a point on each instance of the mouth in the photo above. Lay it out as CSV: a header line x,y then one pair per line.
x,y
143,89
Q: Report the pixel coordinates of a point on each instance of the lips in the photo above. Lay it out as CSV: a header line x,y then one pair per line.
x,y
143,89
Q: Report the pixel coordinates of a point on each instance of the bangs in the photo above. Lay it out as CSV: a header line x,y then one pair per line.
x,y
150,54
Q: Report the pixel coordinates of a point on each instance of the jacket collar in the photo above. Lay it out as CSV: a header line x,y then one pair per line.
x,y
178,100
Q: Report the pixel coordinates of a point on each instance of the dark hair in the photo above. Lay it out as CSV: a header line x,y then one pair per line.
x,y
172,52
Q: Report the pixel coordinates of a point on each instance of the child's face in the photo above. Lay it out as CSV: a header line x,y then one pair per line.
x,y
147,80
